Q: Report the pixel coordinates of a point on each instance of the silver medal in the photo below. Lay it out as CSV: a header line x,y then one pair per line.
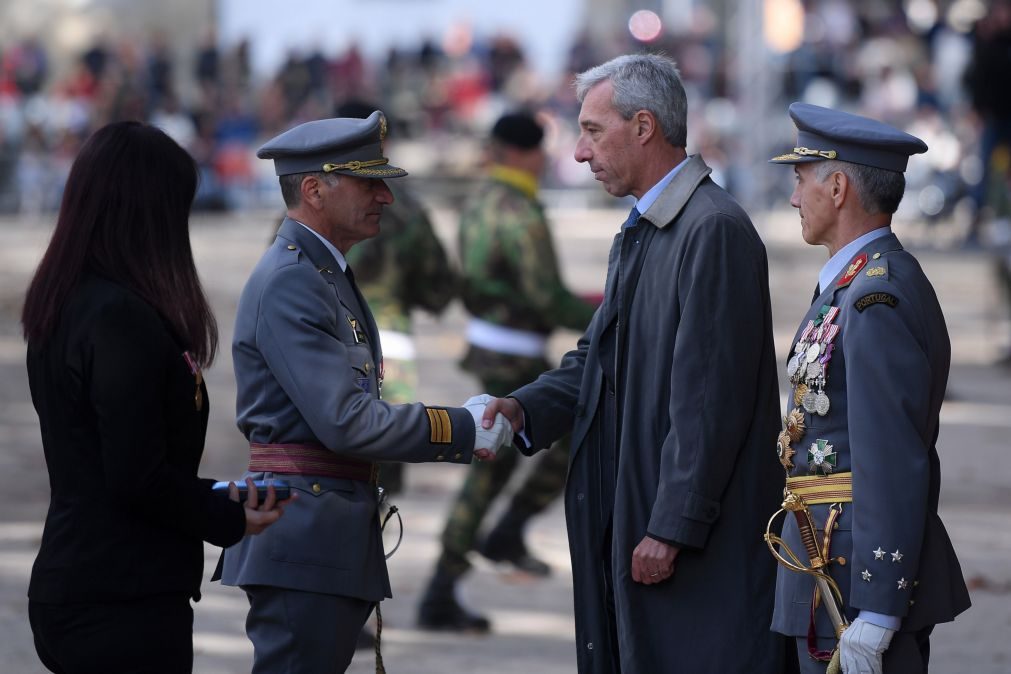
x,y
813,352
809,401
814,370
793,366
821,404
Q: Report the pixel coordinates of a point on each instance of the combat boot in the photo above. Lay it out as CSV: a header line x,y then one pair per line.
x,y
504,544
440,610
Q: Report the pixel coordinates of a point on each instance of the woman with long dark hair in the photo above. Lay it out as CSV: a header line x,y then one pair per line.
x,y
118,329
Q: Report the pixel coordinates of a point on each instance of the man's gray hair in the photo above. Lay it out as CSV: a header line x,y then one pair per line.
x,y
644,82
291,185
879,190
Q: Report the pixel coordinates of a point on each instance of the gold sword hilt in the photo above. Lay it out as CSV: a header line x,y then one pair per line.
x,y
818,564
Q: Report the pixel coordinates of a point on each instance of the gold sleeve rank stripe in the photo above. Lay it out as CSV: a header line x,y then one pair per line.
x,y
876,298
440,425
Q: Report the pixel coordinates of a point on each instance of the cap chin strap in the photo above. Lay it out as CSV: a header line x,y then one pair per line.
x,y
355,165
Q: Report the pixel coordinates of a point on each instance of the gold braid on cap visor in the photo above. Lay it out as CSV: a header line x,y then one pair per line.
x,y
808,152
354,165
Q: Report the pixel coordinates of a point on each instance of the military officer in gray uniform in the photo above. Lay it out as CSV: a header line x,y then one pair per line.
x,y
869,367
309,371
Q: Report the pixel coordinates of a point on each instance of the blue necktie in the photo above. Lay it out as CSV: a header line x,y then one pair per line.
x,y
633,217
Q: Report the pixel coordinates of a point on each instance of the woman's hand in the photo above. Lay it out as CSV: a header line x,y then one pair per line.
x,y
259,517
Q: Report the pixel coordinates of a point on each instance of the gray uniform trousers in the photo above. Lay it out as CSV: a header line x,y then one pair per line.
x,y
907,653
294,631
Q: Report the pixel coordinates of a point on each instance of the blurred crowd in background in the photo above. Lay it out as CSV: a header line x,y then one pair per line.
x,y
942,75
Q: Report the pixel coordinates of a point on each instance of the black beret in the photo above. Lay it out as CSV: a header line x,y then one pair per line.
x,y
518,129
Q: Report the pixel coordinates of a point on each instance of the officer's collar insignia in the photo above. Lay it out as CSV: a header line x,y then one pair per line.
x,y
359,334
856,264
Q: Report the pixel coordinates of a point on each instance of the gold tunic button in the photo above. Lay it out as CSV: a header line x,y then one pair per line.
x,y
291,247
458,456
440,457
367,367
316,488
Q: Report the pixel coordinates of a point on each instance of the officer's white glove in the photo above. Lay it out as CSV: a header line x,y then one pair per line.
x,y
861,647
501,432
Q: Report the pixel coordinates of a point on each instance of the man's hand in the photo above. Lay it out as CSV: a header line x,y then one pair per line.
x,y
489,436
861,647
510,408
653,561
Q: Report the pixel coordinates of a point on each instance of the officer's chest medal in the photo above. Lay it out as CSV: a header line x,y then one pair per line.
x,y
807,370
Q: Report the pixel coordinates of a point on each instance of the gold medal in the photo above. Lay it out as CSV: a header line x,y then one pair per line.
x,y
798,394
795,425
785,451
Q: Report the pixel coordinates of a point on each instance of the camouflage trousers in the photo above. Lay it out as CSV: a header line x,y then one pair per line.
x,y
500,375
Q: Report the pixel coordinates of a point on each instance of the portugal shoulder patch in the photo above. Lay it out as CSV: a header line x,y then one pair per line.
x,y
876,298
440,426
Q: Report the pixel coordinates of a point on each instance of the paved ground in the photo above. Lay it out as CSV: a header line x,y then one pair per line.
x,y
533,619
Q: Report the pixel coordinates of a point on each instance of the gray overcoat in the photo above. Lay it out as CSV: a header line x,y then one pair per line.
x,y
306,375
696,466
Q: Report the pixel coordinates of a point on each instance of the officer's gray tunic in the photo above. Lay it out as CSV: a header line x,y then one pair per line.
x,y
303,377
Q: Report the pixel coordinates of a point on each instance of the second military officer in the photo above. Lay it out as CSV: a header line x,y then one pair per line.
x,y
869,367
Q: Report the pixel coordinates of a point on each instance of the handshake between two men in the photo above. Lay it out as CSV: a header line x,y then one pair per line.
x,y
495,420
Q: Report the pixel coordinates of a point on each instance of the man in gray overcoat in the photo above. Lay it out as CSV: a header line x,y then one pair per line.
x,y
309,370
672,400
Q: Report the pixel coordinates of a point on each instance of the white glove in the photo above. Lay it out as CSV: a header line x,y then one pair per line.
x,y
501,432
861,647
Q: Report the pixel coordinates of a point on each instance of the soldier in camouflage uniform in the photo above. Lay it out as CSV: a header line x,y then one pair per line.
x,y
514,292
403,268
